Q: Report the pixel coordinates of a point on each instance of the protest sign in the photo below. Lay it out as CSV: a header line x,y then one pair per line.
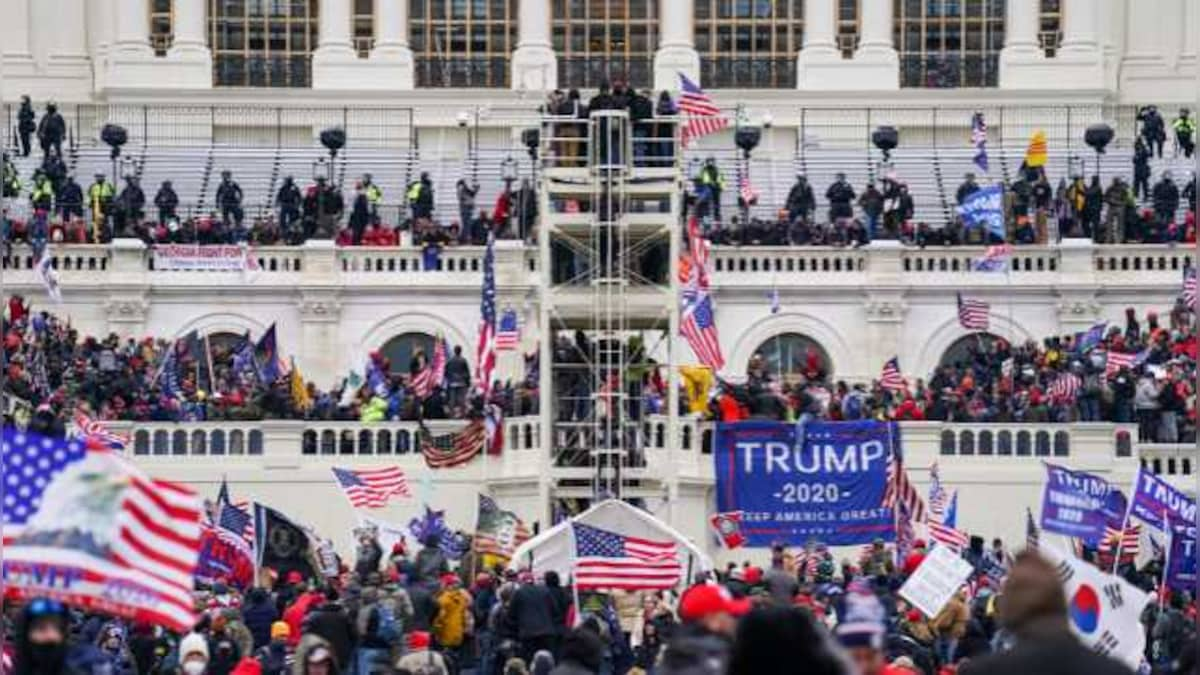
x,y
792,483
196,257
936,580
1073,503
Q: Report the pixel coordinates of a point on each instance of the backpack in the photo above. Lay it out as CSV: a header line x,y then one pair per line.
x,y
387,629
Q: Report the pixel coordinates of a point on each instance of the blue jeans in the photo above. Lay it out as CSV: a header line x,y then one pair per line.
x,y
368,660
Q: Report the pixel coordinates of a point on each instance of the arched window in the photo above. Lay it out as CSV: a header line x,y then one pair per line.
x,y
262,44
747,44
966,443
141,442
597,40
947,446
985,442
787,357
962,351
949,44
457,43
401,349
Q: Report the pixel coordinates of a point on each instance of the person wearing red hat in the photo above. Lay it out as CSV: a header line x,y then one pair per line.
x,y
452,621
710,615
420,658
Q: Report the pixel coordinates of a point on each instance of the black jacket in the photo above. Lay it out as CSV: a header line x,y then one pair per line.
x,y
166,199
329,621
533,610
229,194
1047,655
1166,196
258,615
800,199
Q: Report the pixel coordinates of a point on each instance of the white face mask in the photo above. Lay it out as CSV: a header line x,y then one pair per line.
x,y
193,667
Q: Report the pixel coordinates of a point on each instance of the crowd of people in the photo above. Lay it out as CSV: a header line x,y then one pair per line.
x,y
54,370
1062,379
414,614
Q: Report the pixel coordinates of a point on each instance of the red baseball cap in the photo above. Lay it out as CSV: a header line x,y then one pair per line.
x,y
705,599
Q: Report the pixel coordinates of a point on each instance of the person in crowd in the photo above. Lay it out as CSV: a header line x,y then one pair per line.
x,y
193,654
1093,206
532,610
800,200
465,191
360,214
275,657
43,645
229,199
1166,202
1115,198
25,124
665,128
130,206
1141,169
583,652
421,658
1153,128
41,197
871,203
452,622
840,196
330,622
374,195
1185,132
167,202
420,197
51,131
965,189
101,194
323,206
12,181
710,184
288,201
70,200
1034,610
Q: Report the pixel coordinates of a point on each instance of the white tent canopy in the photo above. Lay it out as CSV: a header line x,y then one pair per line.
x,y
553,550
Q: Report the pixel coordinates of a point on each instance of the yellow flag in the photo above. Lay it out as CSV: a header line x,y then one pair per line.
x,y
300,397
697,382
1035,155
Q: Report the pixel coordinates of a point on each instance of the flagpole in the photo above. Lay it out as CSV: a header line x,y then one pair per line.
x,y
1125,521
1166,568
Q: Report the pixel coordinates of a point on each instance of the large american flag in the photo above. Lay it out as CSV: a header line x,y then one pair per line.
x,y
945,530
1065,387
699,249
485,348
1129,545
605,559
1031,530
900,490
430,376
698,326
498,532
508,334
1189,288
938,497
102,525
448,450
97,435
704,117
973,313
891,378
1115,361
372,488
746,191
235,516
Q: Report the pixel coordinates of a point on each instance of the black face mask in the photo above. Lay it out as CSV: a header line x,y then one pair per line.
x,y
48,657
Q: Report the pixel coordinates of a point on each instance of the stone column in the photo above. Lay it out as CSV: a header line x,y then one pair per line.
x,y
392,60
819,58
61,70
1023,64
876,64
1080,57
334,63
189,55
131,62
14,30
534,64
676,46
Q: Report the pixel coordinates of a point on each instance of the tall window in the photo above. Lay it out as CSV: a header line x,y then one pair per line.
x,y
402,349
262,43
598,39
160,26
463,43
362,26
949,43
1050,25
792,356
749,44
847,26
962,352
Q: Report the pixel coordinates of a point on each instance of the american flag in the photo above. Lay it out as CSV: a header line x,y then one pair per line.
x,y
699,248
938,497
485,349
1007,366
979,140
1031,530
900,491
96,434
453,449
1189,288
746,191
230,519
1128,545
430,376
704,117
891,378
498,532
945,531
905,536
508,333
1065,387
698,326
973,313
372,488
995,259
98,520
605,559
1115,361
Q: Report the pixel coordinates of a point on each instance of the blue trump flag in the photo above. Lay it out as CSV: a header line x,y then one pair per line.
x,y
984,208
825,481
1181,565
1073,503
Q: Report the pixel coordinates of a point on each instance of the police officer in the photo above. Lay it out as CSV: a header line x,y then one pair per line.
x,y
1185,129
166,201
132,201
51,131
712,184
100,198
288,201
12,181
41,196
70,200
374,196
229,199
840,196
420,197
25,124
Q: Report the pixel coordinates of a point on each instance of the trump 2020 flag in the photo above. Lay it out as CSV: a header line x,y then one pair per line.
x,y
87,528
1103,609
984,208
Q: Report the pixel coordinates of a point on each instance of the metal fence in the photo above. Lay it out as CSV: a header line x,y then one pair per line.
x,y
233,125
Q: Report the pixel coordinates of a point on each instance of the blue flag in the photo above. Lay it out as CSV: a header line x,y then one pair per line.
x,y
266,353
1088,340
1073,503
985,208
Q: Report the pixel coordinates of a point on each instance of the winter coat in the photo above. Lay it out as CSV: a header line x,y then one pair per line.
x,y
951,621
532,610
331,623
258,617
306,646
423,661
1047,654
450,625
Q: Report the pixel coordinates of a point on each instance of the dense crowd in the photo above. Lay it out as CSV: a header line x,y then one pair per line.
x,y
995,381
56,370
392,612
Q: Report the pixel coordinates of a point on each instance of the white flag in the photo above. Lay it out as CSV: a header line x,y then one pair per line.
x,y
48,276
1102,609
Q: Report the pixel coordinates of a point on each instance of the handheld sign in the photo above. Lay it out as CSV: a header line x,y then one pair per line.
x,y
936,580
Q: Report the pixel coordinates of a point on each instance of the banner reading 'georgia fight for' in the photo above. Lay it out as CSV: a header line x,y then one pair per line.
x,y
822,481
